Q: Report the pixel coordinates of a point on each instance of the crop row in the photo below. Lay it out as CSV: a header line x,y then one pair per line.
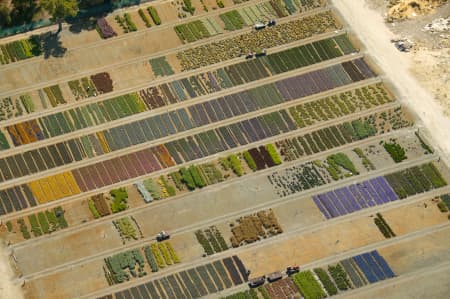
x,y
44,222
250,42
183,150
338,135
192,283
355,197
211,240
160,68
20,50
250,15
416,180
166,94
12,107
122,266
340,104
196,30
379,191
169,123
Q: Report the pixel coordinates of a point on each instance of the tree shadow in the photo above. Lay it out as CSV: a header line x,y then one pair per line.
x,y
51,45
82,25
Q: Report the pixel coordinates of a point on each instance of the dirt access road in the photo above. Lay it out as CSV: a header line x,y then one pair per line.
x,y
371,29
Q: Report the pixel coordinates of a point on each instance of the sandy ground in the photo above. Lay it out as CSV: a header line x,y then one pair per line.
x,y
371,29
7,288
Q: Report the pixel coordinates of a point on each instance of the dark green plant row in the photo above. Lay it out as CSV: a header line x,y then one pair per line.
x,y
44,222
416,180
383,226
20,50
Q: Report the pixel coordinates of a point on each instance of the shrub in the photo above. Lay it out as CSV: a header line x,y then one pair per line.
x,y
157,255
339,277
150,259
177,179
154,14
43,223
144,18
59,213
273,154
104,29
187,178
187,7
172,253
344,161
130,23
165,253
326,281
442,207
169,188
24,229
235,164
9,226
225,162
251,163
119,200
396,151
35,228
204,242
308,285
220,3
93,209
197,176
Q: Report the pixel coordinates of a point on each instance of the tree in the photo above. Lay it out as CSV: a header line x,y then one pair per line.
x,y
5,18
59,9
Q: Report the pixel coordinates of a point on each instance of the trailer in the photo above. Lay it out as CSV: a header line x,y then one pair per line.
x,y
256,282
260,53
274,276
259,26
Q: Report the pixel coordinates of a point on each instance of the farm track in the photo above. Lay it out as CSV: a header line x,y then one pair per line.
x,y
159,81
332,259
142,58
187,103
205,223
167,201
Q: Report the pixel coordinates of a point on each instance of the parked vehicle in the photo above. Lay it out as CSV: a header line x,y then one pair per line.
x,y
256,282
162,236
259,26
274,276
292,270
271,23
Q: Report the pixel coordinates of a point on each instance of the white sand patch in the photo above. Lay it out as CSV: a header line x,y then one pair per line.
x,y
8,289
371,29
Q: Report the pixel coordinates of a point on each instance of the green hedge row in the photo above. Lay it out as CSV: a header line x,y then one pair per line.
x,y
154,14
249,159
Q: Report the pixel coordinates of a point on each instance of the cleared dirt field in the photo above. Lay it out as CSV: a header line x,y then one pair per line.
x,y
414,217
409,256
68,284
58,250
